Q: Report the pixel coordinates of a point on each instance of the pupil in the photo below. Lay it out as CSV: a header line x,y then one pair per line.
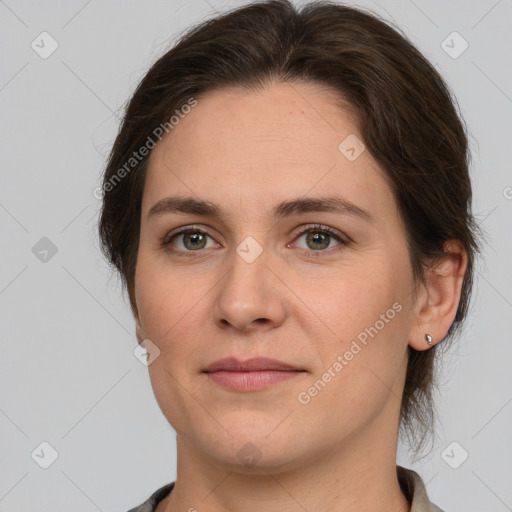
x,y
195,239
319,239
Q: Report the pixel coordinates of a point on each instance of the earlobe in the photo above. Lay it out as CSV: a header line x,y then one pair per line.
x,y
440,301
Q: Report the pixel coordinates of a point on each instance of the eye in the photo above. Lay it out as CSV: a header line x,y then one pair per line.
x,y
188,240
319,238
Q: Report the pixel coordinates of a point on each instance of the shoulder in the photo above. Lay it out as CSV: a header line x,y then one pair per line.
x,y
151,503
415,491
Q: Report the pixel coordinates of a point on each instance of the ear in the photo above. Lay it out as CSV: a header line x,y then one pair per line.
x,y
139,332
439,297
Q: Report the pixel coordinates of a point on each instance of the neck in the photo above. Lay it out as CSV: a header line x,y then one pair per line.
x,y
360,474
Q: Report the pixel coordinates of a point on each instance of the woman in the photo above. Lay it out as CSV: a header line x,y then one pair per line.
x,y
288,204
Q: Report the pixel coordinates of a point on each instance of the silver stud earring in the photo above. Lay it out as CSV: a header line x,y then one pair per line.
x,y
428,339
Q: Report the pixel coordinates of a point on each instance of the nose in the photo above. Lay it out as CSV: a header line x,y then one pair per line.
x,y
250,297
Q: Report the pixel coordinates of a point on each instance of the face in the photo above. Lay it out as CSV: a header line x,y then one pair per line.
x,y
301,259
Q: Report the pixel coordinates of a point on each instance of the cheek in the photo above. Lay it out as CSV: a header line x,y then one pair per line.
x,y
347,300
365,319
360,368
166,299
168,307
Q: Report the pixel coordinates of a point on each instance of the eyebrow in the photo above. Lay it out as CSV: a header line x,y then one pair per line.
x,y
190,205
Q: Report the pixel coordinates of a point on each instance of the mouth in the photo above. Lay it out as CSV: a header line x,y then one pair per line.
x,y
252,375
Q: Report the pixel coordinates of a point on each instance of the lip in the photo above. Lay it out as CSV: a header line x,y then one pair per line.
x,y
251,375
231,364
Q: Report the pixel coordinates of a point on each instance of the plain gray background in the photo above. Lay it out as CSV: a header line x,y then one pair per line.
x,y
68,374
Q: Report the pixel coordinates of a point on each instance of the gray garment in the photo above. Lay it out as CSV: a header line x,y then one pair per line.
x,y
413,487
410,481
151,503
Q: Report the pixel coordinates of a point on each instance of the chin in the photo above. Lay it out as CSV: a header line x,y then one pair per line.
x,y
259,458
254,444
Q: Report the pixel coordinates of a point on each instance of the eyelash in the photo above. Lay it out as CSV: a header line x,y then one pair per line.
x,y
311,228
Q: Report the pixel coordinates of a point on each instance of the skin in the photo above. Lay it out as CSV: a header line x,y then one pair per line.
x,y
247,152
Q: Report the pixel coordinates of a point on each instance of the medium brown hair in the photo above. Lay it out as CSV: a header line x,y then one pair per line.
x,y
405,112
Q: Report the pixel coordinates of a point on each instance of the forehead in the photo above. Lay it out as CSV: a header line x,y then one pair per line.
x,y
238,146
278,118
